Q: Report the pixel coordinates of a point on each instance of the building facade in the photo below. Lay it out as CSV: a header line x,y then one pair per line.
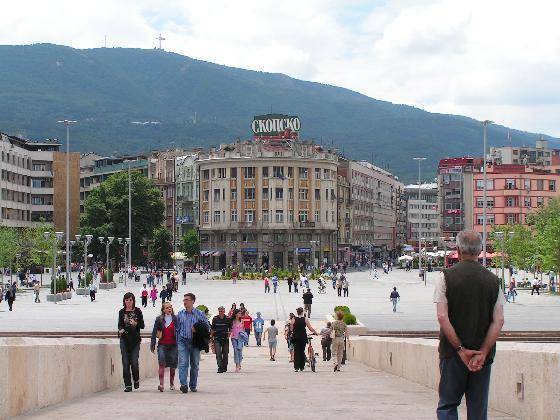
x,y
268,202
187,194
540,155
423,215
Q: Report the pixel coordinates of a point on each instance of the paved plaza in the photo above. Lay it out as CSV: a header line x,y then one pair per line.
x,y
369,300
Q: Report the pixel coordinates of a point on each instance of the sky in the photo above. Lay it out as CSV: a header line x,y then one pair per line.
x,y
486,59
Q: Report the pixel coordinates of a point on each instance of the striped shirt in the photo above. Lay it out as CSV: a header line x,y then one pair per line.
x,y
186,321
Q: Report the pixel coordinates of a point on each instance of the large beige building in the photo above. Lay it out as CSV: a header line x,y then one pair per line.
x,y
268,202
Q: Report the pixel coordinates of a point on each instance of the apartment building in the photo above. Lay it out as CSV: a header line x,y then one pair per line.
x,y
423,218
186,194
539,155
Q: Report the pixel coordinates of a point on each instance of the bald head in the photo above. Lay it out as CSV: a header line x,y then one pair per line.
x,y
469,243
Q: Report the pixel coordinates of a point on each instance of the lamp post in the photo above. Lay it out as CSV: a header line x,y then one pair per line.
x,y
108,242
67,123
423,272
129,239
58,237
370,249
484,189
87,241
419,160
502,237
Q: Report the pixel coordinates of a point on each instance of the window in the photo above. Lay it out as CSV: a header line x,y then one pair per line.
x,y
303,193
234,215
217,216
317,216
279,193
290,215
332,216
303,173
303,216
326,174
479,202
233,194
317,194
233,173
540,201
527,184
333,197
265,193
216,194
279,216
221,172
206,216
265,214
317,173
206,195
511,218
551,185
510,202
249,215
206,174
248,172
540,184
290,193
278,172
527,202
510,184
480,184
290,172
265,172
249,194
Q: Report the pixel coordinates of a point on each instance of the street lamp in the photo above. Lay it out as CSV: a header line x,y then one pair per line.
x,y
501,236
484,233
58,237
129,240
419,160
67,123
423,272
87,241
108,242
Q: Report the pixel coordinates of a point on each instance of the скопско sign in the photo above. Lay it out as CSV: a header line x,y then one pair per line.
x,y
276,125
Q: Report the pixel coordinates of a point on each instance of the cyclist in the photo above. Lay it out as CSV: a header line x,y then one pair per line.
x,y
300,324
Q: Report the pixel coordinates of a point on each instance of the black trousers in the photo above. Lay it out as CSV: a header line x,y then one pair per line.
x,y
144,301
10,303
345,292
299,353
130,362
289,287
222,351
326,345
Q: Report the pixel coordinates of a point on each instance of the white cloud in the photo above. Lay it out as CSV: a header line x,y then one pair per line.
x,y
498,60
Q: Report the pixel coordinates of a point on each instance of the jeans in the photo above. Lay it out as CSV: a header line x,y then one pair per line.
x,y
37,300
258,336
189,356
248,331
275,285
394,300
130,362
237,352
267,288
345,292
457,380
307,309
144,301
221,345
326,346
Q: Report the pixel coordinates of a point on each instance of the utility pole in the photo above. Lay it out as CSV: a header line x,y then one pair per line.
x,y
484,204
419,160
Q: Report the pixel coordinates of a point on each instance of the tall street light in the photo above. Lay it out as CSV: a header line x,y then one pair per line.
x,y
129,239
87,241
484,233
67,123
57,238
419,160
108,242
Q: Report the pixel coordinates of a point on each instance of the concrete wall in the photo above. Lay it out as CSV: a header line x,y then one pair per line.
x,y
525,376
38,372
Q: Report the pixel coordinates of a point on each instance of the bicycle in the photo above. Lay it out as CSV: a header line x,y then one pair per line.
x,y
311,354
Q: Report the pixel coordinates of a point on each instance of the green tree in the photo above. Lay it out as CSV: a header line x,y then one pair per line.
x,y
9,247
546,225
161,247
106,212
34,248
517,244
190,244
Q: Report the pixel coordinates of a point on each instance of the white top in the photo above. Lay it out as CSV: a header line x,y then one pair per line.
x,y
441,288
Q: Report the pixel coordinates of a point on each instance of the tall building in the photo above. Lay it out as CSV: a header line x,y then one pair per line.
x,y
539,155
345,210
423,214
186,194
268,202
33,183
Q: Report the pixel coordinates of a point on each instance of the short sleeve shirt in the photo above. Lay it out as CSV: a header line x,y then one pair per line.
x,y
272,333
441,289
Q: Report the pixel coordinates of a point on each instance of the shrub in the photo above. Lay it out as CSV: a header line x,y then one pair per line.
x,y
88,279
108,276
202,308
349,319
60,283
344,309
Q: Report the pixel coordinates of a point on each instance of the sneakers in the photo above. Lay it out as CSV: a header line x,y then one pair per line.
x,y
127,389
193,389
184,389
136,384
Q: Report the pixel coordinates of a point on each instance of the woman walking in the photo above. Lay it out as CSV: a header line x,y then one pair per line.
x,y
340,333
130,323
232,310
164,332
288,336
154,295
299,338
237,340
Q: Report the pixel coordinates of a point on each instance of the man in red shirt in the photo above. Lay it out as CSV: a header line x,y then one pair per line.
x,y
247,323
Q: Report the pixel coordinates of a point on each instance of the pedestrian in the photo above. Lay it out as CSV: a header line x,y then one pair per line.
x,y
288,336
339,285
266,285
304,281
71,286
258,327
231,310
219,333
189,355
163,294
144,296
167,354
36,290
10,297
247,322
272,334
470,314
535,286
345,286
153,295
275,283
299,326
511,290
290,283
375,276
326,341
184,277
234,276
296,284
339,336
394,297
307,301
169,292
237,336
130,323
92,291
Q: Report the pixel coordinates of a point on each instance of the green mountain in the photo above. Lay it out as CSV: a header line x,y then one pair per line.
x,y
110,90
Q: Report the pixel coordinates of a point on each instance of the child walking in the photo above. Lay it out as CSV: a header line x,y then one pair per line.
x,y
272,333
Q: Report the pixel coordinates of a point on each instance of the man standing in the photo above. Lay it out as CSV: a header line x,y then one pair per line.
x,y
535,286
275,283
394,297
307,301
184,276
219,333
36,290
189,356
290,282
247,323
258,326
470,314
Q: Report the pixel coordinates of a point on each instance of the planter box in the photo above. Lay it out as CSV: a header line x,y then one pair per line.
x,y
68,295
55,298
107,286
82,291
357,329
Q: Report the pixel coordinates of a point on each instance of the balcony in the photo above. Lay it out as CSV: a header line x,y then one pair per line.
x,y
307,224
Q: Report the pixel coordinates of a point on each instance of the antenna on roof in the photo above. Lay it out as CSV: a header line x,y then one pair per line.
x,y
160,38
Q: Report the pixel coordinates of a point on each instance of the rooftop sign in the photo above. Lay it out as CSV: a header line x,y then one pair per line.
x,y
276,126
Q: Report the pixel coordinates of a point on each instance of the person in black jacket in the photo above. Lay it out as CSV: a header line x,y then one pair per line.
x,y
130,323
201,336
